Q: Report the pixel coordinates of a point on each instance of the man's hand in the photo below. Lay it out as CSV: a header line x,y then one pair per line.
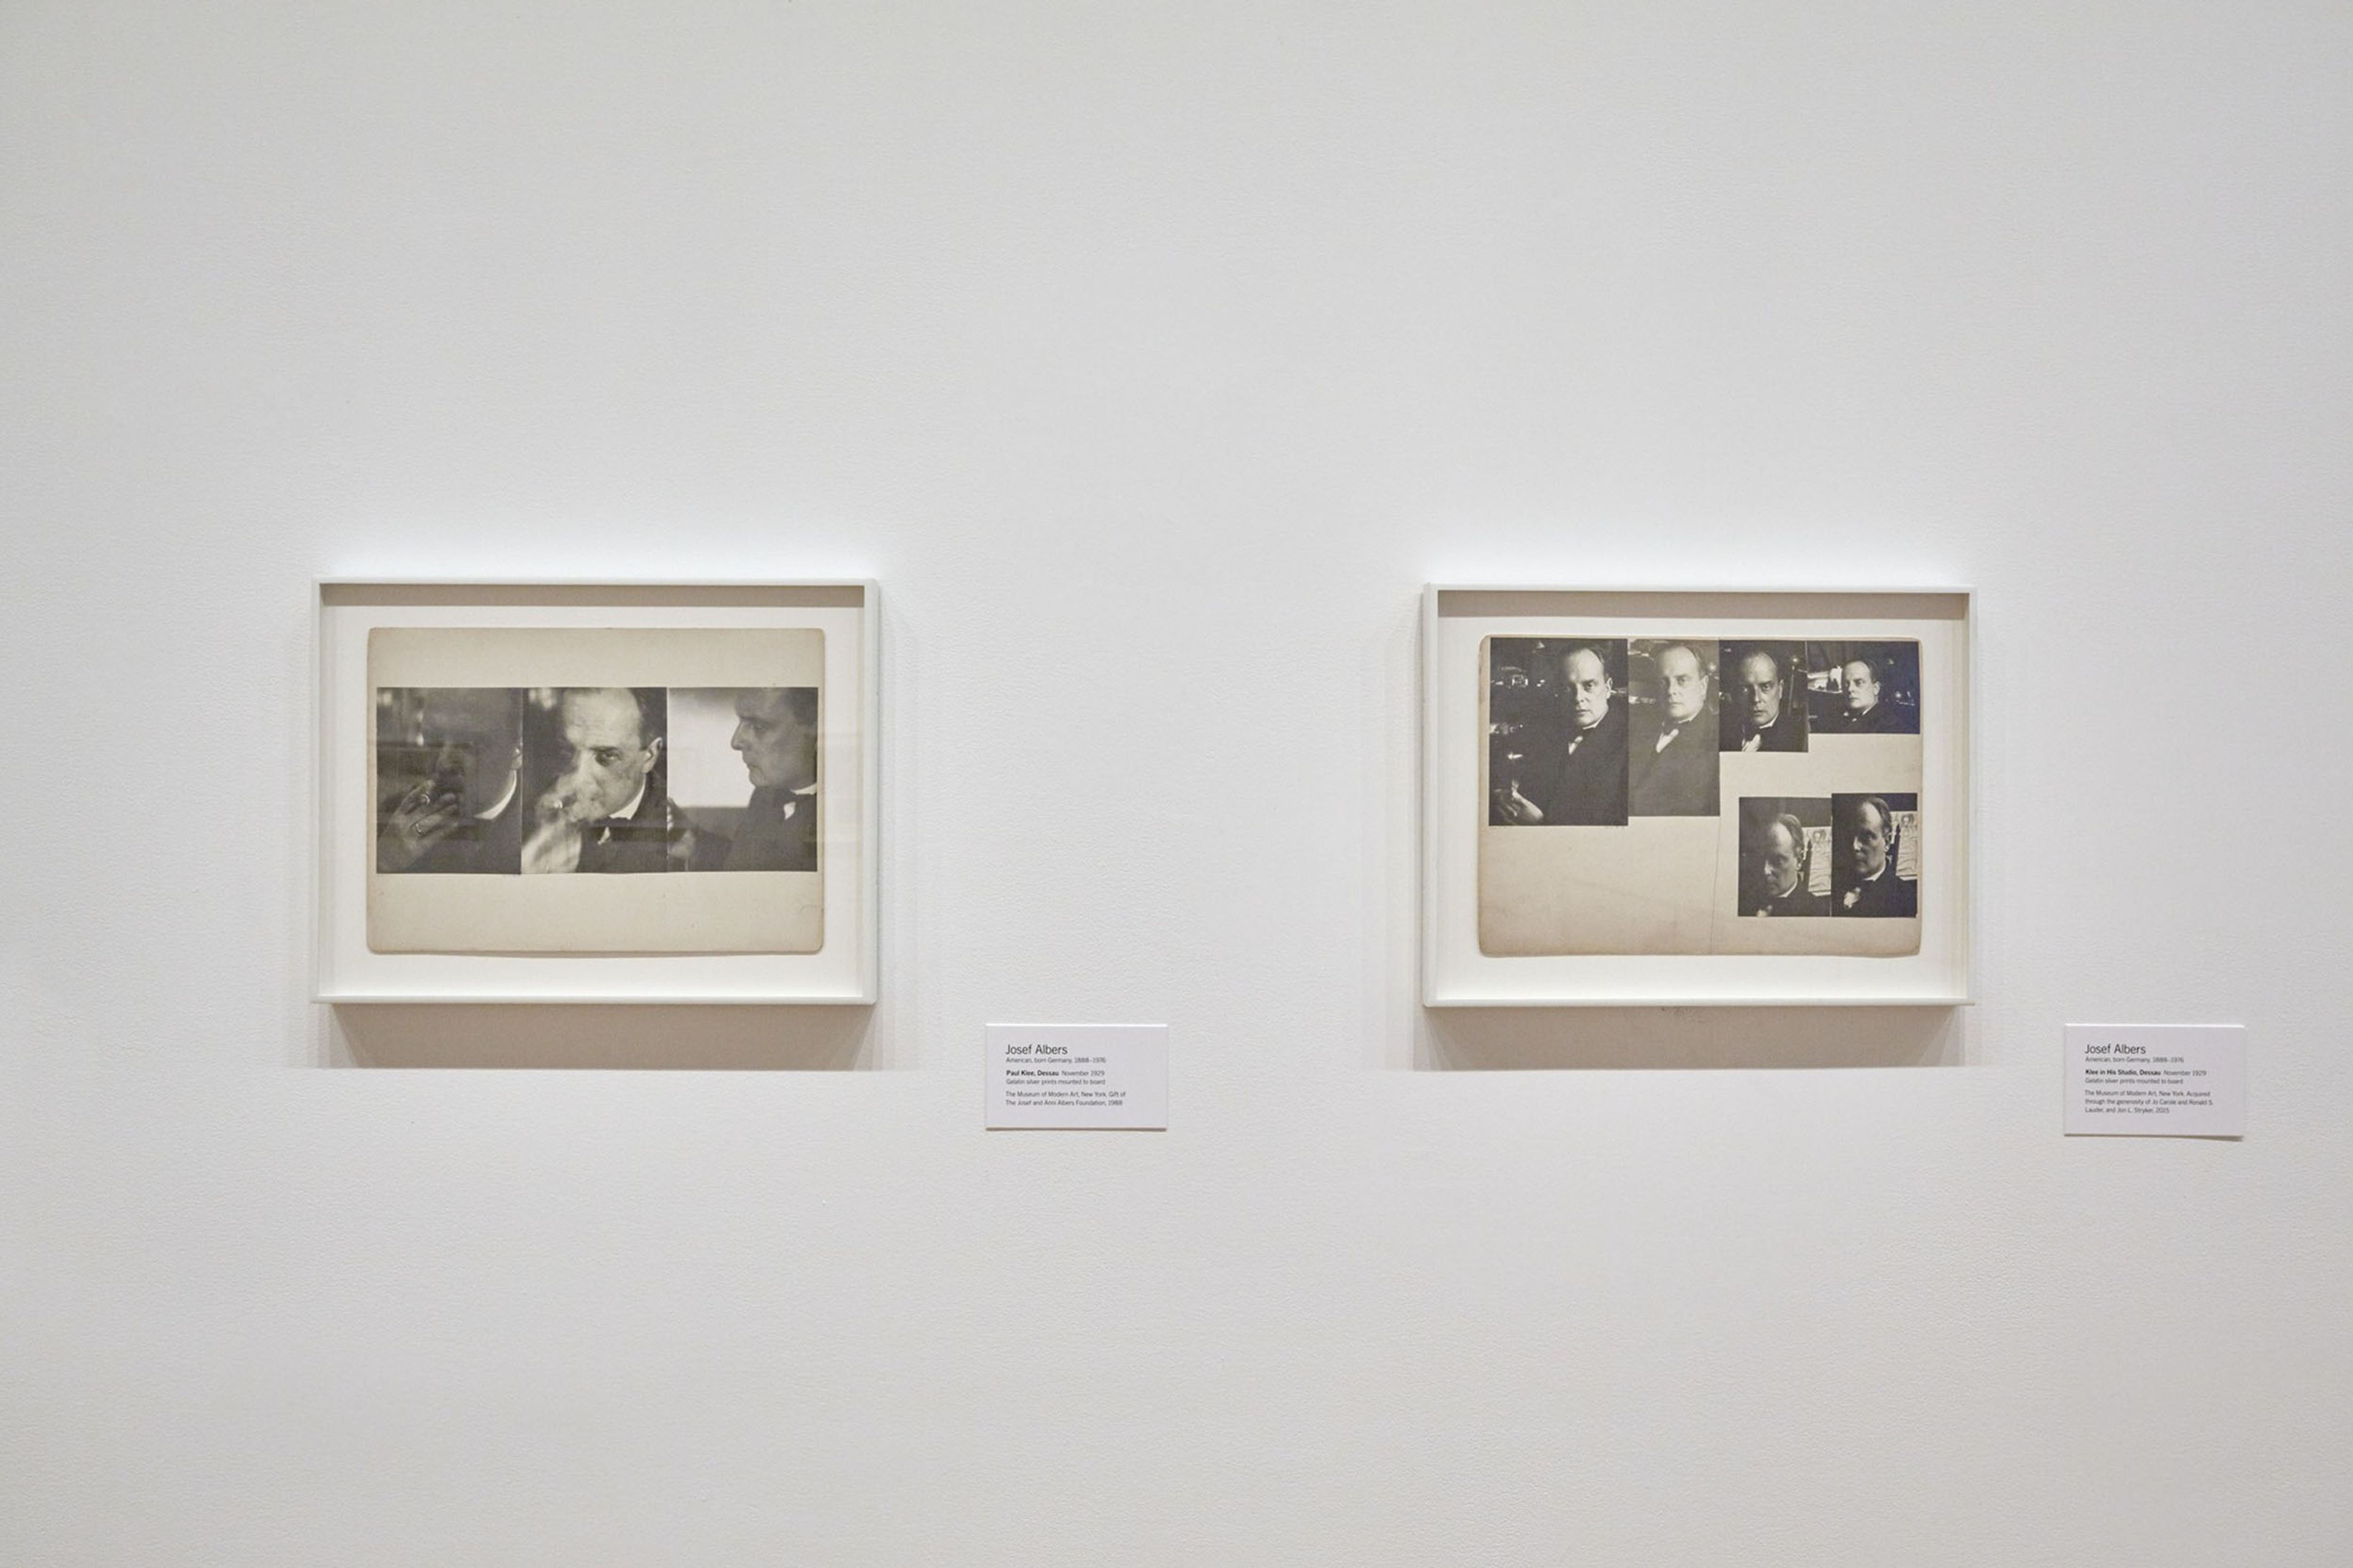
x,y
1518,807
553,842
419,820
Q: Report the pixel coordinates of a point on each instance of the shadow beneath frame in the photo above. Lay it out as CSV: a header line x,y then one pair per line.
x,y
1473,1039
708,1038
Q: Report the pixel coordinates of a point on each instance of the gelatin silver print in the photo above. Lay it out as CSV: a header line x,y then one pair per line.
x,y
622,789
1649,795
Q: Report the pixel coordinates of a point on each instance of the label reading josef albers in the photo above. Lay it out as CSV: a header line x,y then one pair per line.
x,y
2181,1080
1078,1075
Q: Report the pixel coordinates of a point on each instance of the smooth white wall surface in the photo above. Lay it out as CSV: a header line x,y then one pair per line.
x,y
1152,357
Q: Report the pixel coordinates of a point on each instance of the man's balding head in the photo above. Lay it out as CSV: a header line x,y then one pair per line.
x,y
1869,834
608,748
1783,858
1683,681
776,732
476,734
1862,681
1761,688
1589,686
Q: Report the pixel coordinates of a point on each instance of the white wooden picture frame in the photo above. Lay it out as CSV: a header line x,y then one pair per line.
x,y
1464,964
840,966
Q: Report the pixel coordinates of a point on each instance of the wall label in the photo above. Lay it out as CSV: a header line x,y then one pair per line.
x,y
1079,1075
2175,1080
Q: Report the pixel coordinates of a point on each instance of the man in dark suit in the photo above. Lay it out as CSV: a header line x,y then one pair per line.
x,y
1674,770
1774,880
776,734
1864,882
1869,711
1576,772
1759,715
465,816
606,810
649,838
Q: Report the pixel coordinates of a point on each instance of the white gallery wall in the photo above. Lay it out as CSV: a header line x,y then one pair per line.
x,y
1152,357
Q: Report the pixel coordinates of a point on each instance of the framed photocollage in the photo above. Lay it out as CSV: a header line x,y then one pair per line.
x,y
597,792
1640,797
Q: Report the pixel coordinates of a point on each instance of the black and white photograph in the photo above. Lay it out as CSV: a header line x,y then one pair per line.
x,y
1745,826
1703,803
1785,857
744,773
1671,692
1764,697
517,816
1875,872
1557,740
596,783
449,765
500,781
1862,688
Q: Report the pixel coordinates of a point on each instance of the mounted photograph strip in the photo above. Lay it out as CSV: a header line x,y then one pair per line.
x,y
1679,796
582,792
